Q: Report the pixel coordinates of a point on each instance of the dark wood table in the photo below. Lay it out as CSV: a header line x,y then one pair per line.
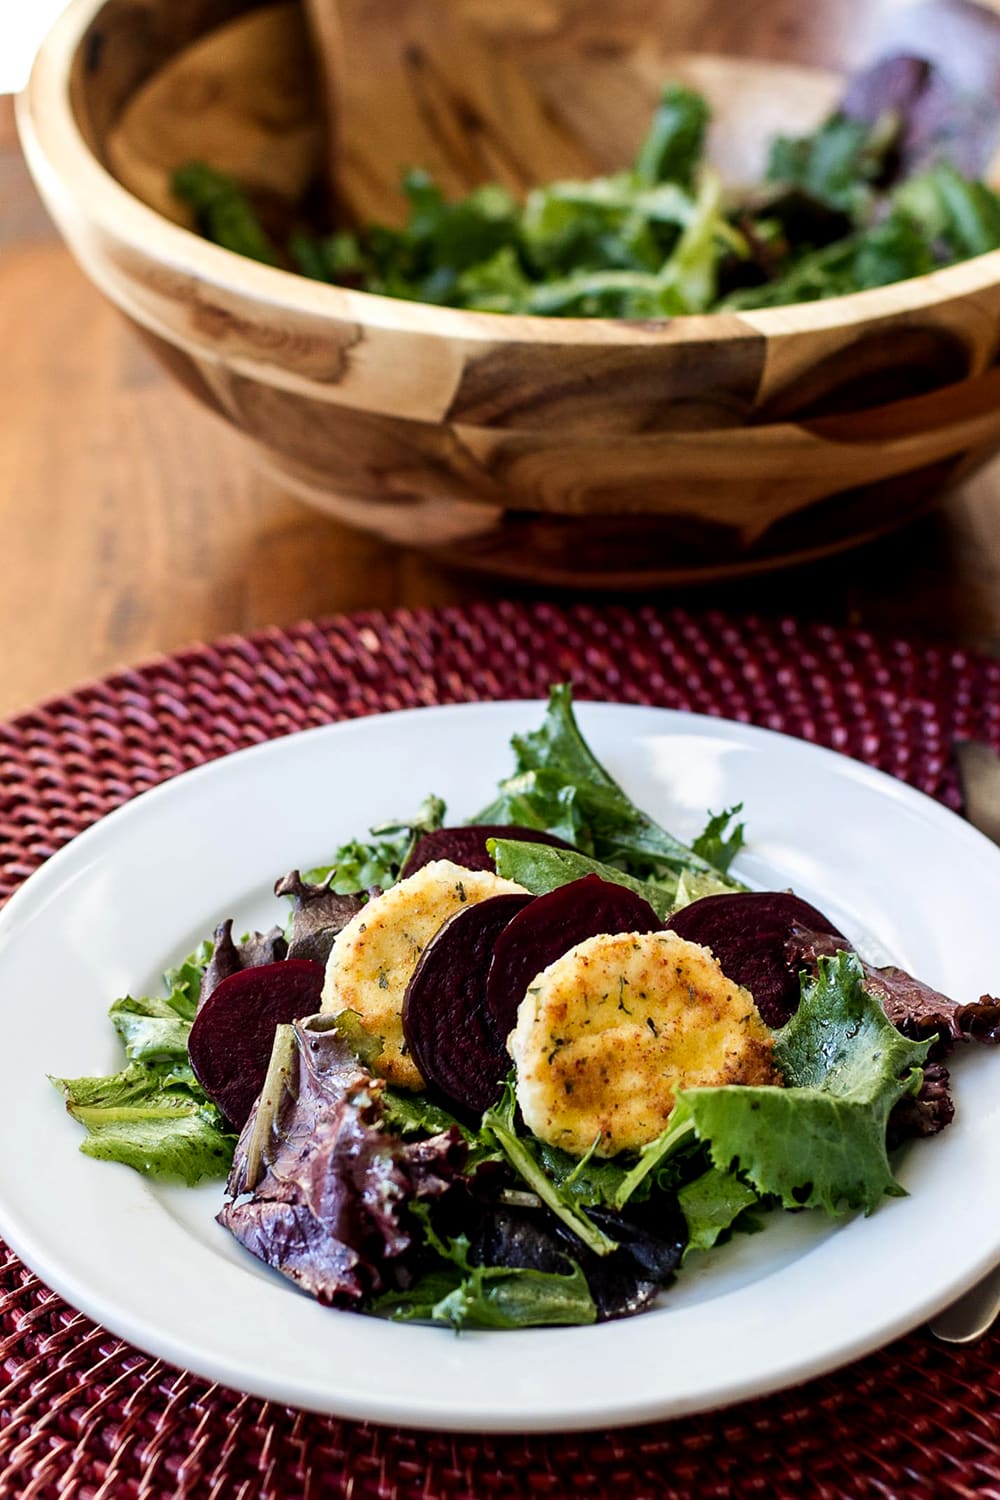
x,y
131,523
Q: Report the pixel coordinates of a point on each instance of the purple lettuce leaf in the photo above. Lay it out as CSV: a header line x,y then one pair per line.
x,y
927,1111
229,957
935,118
914,1008
318,914
319,1190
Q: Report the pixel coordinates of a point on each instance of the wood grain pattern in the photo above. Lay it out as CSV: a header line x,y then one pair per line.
x,y
132,523
251,111
694,448
521,92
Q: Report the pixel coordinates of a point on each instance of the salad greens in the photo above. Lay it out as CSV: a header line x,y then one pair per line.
x,y
541,868
472,1295
151,1117
372,1197
713,1204
558,784
154,1115
357,865
868,198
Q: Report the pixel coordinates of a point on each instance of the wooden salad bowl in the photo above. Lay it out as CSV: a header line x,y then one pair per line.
x,y
582,452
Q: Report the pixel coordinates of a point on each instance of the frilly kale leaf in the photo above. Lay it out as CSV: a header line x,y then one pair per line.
x,y
821,1141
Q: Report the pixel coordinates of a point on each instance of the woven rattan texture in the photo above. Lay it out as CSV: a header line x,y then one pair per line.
x,y
84,1415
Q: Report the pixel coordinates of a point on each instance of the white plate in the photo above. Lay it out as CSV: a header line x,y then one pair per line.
x,y
135,892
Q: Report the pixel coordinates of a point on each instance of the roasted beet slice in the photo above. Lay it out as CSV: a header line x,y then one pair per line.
x,y
230,1042
448,1029
466,846
550,927
748,932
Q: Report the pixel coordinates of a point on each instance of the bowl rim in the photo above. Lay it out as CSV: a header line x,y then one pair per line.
x,y
66,169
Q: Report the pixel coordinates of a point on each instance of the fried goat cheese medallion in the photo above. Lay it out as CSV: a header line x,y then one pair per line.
x,y
608,1034
373,957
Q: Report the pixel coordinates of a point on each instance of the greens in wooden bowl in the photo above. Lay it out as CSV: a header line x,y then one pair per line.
x,y
885,189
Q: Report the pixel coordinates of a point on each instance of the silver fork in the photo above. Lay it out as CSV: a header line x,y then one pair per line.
x,y
979,773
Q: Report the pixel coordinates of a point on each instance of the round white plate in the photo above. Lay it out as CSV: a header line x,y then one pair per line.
x,y
900,874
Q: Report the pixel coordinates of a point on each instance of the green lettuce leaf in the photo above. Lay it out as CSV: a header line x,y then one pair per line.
x,y
721,839
560,785
540,869
152,1120
155,1028
712,1204
153,1115
835,165
496,1297
223,211
592,1180
675,140
414,1114
948,207
151,1029
523,1154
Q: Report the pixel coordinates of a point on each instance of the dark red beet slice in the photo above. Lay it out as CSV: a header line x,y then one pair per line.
x,y
748,932
549,927
467,846
230,1042
449,1031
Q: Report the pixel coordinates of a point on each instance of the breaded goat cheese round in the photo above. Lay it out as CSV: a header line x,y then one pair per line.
x,y
373,957
608,1034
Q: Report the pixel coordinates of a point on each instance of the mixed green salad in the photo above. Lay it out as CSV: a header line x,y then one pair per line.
x,y
518,1071
888,187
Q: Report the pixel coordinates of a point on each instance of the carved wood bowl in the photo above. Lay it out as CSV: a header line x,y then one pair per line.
x,y
579,452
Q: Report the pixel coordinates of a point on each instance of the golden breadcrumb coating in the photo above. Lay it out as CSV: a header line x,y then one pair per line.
x,y
608,1034
374,955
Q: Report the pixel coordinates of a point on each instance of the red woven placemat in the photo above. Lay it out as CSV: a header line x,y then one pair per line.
x,y
85,1415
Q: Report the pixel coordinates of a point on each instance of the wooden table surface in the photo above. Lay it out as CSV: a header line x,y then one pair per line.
x,y
131,522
